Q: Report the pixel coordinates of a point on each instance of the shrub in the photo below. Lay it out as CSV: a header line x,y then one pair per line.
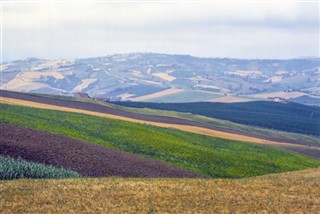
x,y
18,168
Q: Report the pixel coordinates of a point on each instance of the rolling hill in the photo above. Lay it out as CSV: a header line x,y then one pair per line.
x,y
167,78
214,157
298,143
104,146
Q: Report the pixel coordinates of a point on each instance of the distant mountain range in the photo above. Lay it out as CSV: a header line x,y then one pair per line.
x,y
168,78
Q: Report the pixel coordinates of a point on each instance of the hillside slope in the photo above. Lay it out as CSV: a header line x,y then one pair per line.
x,y
85,158
289,117
171,117
294,192
208,156
301,144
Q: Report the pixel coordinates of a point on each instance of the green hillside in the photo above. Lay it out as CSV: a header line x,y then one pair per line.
x,y
311,140
209,156
290,117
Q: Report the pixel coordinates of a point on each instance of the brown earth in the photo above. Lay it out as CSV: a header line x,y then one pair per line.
x,y
86,158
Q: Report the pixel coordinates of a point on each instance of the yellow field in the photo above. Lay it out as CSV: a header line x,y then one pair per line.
x,y
84,84
164,76
157,94
229,99
294,192
193,129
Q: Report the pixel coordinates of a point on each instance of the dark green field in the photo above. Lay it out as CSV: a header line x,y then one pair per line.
x,y
208,156
289,117
18,168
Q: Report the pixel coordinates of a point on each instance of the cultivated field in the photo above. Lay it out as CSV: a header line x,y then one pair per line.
x,y
84,84
85,158
158,94
230,99
161,121
17,168
209,156
164,76
288,117
174,123
294,192
101,141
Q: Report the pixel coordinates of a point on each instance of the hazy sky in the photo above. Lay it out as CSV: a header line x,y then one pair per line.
x,y
219,29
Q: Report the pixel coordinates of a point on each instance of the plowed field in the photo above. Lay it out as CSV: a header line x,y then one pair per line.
x,y
85,158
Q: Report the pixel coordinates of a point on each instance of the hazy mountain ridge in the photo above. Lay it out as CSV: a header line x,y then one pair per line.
x,y
167,78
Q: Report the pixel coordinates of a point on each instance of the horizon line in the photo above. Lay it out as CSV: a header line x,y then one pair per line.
x,y
158,53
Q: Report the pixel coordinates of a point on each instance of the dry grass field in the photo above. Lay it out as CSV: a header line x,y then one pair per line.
x,y
294,192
